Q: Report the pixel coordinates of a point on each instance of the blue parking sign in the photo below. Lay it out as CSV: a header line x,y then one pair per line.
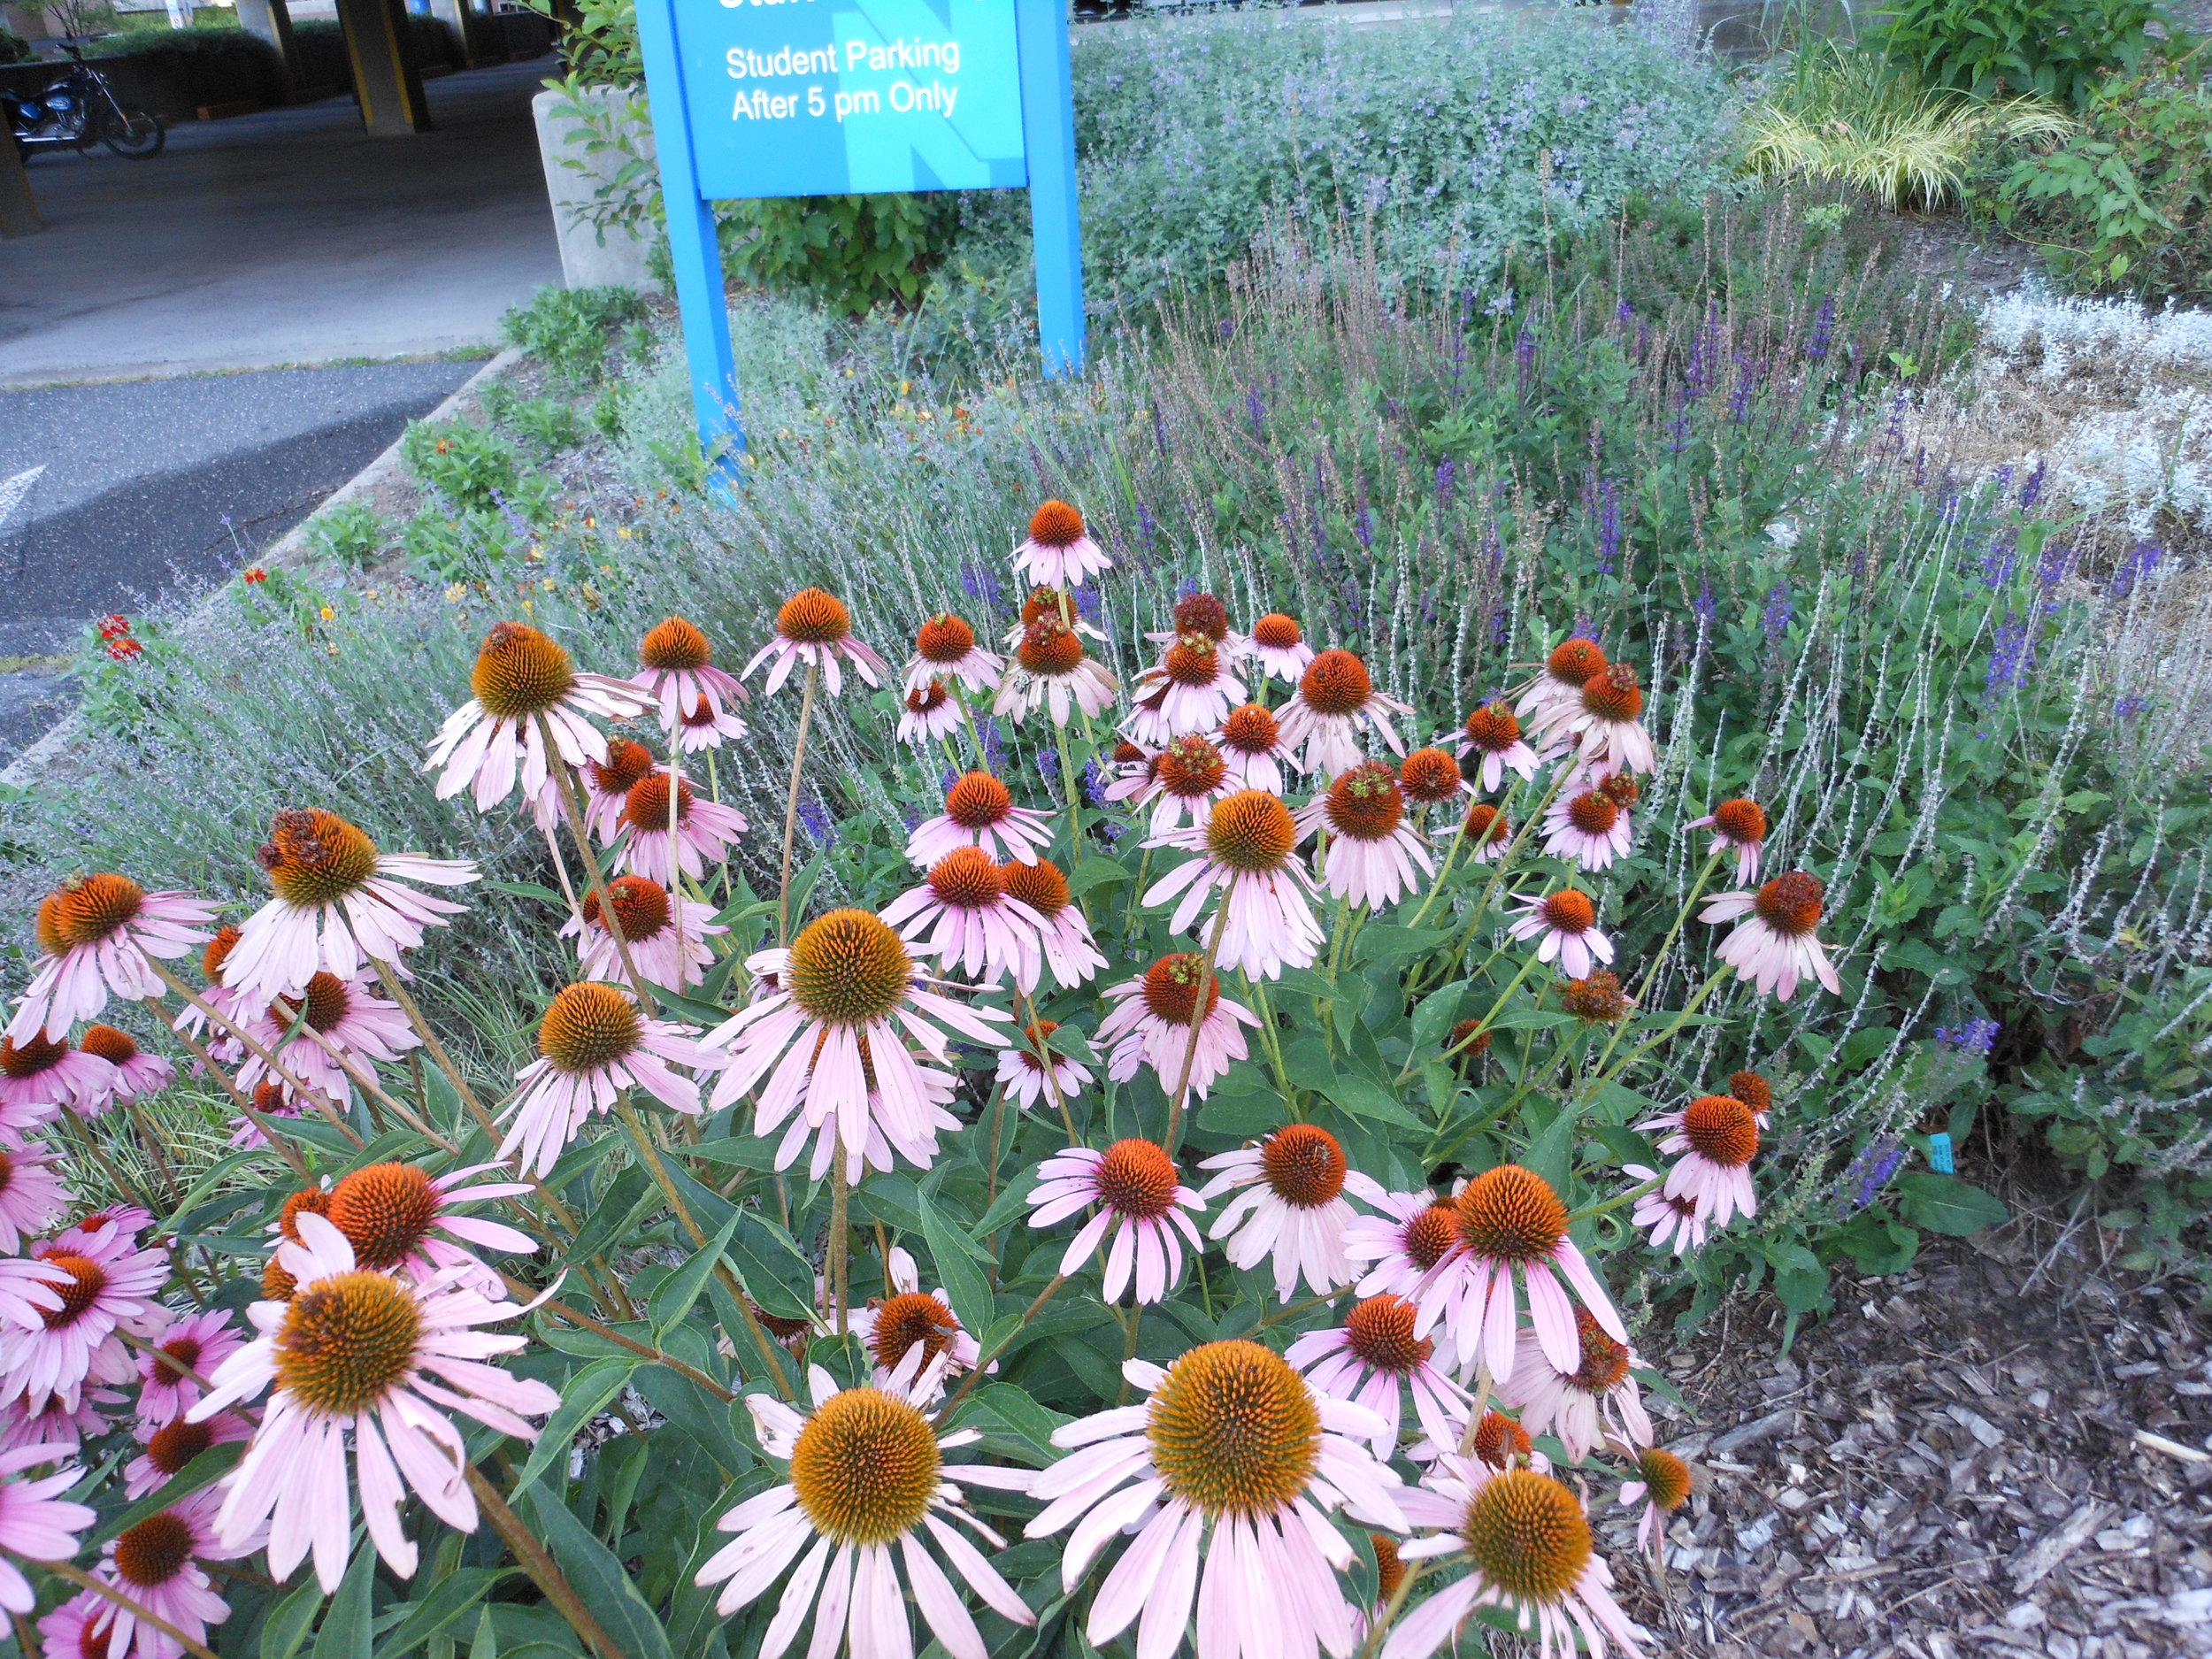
x,y
823,97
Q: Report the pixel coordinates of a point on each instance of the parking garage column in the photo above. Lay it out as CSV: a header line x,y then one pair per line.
x,y
19,213
272,21
380,46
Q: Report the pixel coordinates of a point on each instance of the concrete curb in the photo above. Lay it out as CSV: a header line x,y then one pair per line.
x,y
289,551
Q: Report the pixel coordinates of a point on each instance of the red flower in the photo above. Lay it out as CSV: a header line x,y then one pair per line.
x,y
255,574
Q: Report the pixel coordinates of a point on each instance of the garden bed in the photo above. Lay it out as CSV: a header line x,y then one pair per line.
x,y
1732,447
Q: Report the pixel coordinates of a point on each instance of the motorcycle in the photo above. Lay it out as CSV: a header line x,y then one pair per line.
x,y
79,111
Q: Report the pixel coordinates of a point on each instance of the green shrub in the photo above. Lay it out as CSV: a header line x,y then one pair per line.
x,y
567,329
350,534
847,253
464,546
547,425
13,48
1195,136
2125,203
472,467
2056,49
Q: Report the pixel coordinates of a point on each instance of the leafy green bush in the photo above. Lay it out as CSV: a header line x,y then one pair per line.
x,y
2056,49
351,535
548,424
1195,136
473,468
568,330
2125,1098
848,253
2125,203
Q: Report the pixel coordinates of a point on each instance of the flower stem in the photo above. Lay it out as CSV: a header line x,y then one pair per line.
x,y
1256,989
1482,1025
650,1156
1652,973
1174,1131
1436,888
1505,861
541,1568
137,1609
1129,1351
983,1361
840,1238
314,1097
1074,786
1046,1059
584,1322
198,1051
675,869
1605,1205
573,811
1720,974
791,802
388,975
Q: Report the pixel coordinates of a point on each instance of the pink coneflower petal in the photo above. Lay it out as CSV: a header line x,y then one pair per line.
x,y
866,1471
814,629
332,1356
1291,1207
593,1044
1140,1200
1236,1516
95,935
827,1039
525,686
1151,1024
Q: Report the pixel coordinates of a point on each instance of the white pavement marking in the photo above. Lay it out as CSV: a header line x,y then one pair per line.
x,y
14,490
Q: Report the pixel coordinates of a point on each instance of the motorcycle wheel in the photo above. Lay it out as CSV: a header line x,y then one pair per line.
x,y
139,137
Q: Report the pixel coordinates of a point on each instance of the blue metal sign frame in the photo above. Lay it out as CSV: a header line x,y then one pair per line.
x,y
1046,164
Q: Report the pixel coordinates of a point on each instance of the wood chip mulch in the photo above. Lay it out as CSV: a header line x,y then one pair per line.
x,y
2001,1452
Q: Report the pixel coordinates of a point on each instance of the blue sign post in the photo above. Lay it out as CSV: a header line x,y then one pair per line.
x,y
825,97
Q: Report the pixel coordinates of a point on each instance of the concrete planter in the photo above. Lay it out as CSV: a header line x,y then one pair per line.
x,y
583,152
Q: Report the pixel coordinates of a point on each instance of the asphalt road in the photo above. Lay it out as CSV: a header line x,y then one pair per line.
x,y
112,496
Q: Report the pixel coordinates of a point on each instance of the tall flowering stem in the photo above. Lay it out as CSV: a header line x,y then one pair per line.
x,y
983,1360
543,1570
841,1243
609,916
1505,862
388,975
1073,785
1720,977
313,1096
1029,1022
198,1051
1482,1026
1256,989
1444,871
1658,956
1205,988
791,804
650,1156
